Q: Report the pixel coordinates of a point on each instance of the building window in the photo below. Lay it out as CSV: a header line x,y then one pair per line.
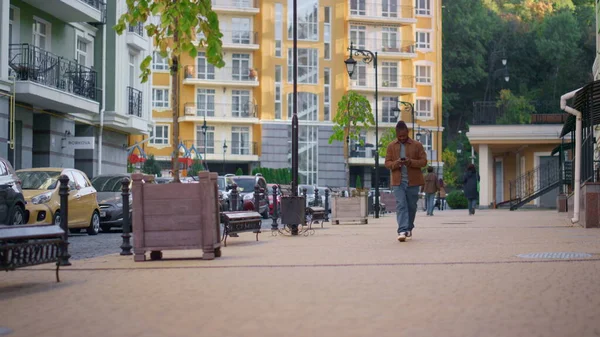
x,y
390,74
160,98
308,106
240,103
359,78
358,36
159,62
389,8
423,7
210,139
205,70
13,25
389,39
81,51
327,94
278,28
308,65
358,7
160,135
240,140
241,67
387,109
205,102
423,40
241,33
278,74
41,33
327,34
423,108
426,139
308,20
308,153
423,74
132,71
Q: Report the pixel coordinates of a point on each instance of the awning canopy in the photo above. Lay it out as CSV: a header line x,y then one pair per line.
x,y
565,147
586,100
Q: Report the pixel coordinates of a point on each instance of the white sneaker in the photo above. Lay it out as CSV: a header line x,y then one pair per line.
x,y
402,236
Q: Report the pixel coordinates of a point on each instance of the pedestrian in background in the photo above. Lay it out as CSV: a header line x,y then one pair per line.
x,y
470,180
430,188
405,157
442,194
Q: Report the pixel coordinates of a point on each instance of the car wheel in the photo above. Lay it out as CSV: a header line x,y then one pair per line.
x,y
94,227
17,216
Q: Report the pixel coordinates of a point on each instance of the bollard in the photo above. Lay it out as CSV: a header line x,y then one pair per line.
x,y
304,190
257,198
317,201
63,192
234,198
326,204
275,210
126,245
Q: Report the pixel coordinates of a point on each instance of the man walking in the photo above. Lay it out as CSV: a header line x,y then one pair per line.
x,y
405,157
430,188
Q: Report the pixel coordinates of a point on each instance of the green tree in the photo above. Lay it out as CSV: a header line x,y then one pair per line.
x,y
195,168
151,166
358,183
516,109
175,34
353,117
449,159
385,139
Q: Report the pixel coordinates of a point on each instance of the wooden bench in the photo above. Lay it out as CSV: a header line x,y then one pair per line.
x,y
314,215
239,222
24,246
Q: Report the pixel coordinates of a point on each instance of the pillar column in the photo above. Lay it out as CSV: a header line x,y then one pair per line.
x,y
486,173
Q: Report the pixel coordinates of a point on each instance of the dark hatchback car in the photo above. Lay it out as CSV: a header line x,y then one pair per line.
x,y
110,200
246,192
12,203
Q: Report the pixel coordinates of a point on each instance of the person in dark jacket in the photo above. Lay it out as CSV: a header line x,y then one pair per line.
x,y
430,188
470,180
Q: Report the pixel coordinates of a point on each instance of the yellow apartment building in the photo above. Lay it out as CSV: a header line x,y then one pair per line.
x,y
247,105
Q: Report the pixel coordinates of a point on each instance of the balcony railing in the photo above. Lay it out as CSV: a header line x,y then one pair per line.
x,y
220,110
237,37
227,74
135,102
216,147
34,64
137,29
235,4
369,152
364,77
377,9
99,5
386,45
488,113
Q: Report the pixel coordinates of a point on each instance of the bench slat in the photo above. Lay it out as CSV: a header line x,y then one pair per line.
x,y
30,232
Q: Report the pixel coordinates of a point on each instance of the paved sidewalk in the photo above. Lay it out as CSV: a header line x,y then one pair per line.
x,y
459,276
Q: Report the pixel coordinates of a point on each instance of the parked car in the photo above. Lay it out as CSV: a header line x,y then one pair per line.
x,y
12,201
110,199
246,192
40,189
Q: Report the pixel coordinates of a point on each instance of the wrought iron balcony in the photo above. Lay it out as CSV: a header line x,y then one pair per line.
x,y
226,74
235,4
138,29
134,102
377,9
389,79
488,113
30,63
220,110
391,45
216,147
237,37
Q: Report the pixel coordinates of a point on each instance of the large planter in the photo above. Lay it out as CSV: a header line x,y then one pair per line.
x,y
352,210
176,216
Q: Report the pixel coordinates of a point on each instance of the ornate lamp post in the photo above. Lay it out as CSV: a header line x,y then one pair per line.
x,y
204,127
224,152
368,57
396,110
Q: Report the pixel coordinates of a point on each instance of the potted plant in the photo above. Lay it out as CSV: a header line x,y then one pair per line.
x,y
353,117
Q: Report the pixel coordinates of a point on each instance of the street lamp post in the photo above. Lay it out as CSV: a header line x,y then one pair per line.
x,y
396,110
368,57
224,151
204,127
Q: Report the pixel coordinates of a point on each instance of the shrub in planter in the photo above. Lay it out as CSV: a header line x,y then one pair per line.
x,y
457,200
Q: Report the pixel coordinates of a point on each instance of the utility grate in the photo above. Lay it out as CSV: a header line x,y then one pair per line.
x,y
555,255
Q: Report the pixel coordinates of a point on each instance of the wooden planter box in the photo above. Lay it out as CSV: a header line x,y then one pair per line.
x,y
176,216
353,210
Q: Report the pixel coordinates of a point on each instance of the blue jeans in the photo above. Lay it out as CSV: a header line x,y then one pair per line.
x,y
406,206
430,202
472,205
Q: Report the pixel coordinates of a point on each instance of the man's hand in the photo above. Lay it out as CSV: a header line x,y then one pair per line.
x,y
407,162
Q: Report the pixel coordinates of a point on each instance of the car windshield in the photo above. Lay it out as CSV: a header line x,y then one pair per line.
x,y
309,189
244,184
38,180
221,184
108,184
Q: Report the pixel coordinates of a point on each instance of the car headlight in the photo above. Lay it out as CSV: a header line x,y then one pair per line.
x,y
41,198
